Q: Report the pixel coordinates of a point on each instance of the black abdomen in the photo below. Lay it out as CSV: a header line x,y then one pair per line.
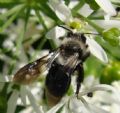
x,y
57,81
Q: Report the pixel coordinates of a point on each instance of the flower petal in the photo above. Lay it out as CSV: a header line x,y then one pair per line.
x,y
96,109
86,105
66,109
33,102
97,50
58,106
23,94
85,10
61,10
107,24
55,33
5,78
116,84
106,6
12,102
77,106
92,82
101,87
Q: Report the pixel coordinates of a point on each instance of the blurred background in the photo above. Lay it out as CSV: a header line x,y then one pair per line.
x,y
23,28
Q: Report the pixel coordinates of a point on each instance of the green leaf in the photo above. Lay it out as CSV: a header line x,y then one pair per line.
x,y
90,68
41,19
22,34
11,19
67,2
78,6
19,108
3,103
41,1
11,11
8,22
3,98
115,53
27,15
9,3
93,5
52,43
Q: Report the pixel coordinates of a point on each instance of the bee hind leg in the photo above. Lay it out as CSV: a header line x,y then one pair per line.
x,y
79,78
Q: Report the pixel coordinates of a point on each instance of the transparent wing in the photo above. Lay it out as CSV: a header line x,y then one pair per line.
x,y
71,64
30,72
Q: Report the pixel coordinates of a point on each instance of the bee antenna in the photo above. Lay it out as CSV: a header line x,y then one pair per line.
x,y
66,28
92,33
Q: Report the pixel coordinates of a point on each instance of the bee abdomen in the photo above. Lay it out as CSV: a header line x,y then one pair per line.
x,y
57,81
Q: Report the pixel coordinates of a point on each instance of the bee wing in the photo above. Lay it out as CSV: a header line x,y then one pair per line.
x,y
71,64
30,72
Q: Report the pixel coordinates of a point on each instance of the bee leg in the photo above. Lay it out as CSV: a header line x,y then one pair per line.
x,y
80,78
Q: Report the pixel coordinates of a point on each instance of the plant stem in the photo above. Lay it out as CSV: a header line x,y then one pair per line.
x,y
78,6
41,19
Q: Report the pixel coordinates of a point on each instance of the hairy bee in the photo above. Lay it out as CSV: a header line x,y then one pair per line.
x,y
61,64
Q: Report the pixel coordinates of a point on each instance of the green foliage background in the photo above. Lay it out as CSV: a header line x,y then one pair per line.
x,y
17,19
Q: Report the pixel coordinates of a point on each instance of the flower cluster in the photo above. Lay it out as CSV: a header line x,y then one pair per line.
x,y
98,21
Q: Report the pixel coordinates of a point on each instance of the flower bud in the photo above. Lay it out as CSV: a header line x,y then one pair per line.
x,y
111,73
112,36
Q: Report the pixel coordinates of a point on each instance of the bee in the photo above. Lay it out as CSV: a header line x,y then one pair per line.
x,y
61,65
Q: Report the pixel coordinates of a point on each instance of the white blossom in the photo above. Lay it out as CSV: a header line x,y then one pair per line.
x,y
106,6
61,10
108,23
85,10
97,50
12,102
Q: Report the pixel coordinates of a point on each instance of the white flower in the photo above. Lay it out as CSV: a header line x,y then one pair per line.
x,y
12,102
97,50
5,78
90,105
61,10
106,6
23,94
107,24
93,81
8,44
55,34
93,107
58,106
109,95
85,10
33,102
102,94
